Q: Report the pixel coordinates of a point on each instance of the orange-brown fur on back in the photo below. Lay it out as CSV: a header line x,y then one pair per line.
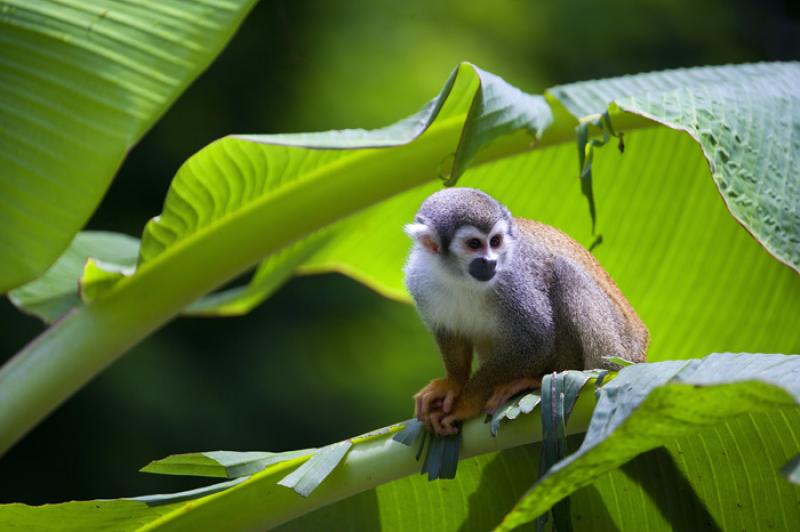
x,y
559,243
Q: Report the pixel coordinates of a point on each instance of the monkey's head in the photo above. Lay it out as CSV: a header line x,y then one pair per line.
x,y
467,233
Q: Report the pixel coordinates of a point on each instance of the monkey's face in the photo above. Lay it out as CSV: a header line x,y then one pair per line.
x,y
464,238
479,254
470,255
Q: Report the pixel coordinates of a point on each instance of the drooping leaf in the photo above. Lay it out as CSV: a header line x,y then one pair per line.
x,y
188,495
80,83
52,295
744,117
558,395
441,459
505,110
586,146
220,464
648,404
412,430
308,476
99,276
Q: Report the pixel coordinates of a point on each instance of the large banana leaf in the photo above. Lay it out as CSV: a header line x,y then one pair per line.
x,y
241,199
659,214
719,468
650,404
668,240
80,83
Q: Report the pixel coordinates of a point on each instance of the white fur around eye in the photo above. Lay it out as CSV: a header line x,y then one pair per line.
x,y
500,228
465,234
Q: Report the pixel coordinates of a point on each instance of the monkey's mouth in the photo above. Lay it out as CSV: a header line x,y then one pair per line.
x,y
482,269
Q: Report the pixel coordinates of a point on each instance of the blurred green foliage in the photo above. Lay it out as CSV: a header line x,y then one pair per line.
x,y
326,358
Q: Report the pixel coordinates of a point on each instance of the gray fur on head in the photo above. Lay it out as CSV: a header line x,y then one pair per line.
x,y
447,210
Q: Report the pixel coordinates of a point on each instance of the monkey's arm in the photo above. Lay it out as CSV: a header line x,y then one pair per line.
x,y
512,367
440,394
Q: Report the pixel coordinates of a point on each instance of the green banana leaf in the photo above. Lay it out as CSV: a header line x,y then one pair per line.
x,y
725,435
650,404
56,292
221,215
659,217
80,83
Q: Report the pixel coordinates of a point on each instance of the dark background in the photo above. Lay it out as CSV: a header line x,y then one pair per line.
x,y
325,358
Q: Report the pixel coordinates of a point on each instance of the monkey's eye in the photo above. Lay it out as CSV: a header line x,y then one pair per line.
x,y
496,241
474,243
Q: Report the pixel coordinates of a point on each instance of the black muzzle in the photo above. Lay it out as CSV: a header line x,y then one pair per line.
x,y
482,269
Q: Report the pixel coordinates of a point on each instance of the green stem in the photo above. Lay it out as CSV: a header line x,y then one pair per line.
x,y
66,356
260,503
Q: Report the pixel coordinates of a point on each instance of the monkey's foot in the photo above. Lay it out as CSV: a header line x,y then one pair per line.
x,y
438,395
504,392
465,408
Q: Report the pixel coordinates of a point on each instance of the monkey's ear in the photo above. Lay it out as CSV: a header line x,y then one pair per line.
x,y
426,237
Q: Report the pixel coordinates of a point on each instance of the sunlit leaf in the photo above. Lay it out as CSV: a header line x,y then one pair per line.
x,y
52,295
745,119
80,83
649,404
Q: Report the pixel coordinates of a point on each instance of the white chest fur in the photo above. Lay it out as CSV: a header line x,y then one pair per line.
x,y
460,305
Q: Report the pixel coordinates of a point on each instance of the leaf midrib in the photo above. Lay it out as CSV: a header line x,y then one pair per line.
x,y
319,173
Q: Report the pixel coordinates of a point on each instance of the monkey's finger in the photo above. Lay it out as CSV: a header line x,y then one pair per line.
x,y
436,422
423,400
447,425
491,405
448,401
427,399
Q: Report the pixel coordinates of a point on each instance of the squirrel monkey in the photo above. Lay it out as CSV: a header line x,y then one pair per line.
x,y
522,295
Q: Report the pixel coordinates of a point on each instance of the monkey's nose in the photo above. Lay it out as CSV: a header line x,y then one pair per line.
x,y
482,269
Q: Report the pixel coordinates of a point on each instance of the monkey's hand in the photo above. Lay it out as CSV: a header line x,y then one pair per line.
x,y
467,406
439,395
